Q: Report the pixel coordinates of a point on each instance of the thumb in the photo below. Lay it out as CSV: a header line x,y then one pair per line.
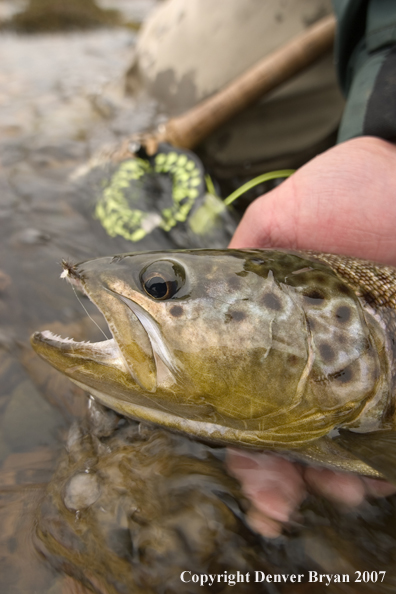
x,y
341,202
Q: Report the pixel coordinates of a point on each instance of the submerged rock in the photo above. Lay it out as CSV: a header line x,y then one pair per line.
x,y
129,512
82,491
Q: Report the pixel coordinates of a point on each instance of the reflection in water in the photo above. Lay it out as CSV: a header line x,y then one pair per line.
x,y
131,507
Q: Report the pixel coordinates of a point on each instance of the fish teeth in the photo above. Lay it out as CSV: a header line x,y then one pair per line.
x,y
52,336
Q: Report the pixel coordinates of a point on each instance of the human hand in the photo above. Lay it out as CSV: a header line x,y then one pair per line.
x,y
343,201
276,487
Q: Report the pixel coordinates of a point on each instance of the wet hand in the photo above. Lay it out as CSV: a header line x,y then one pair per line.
x,y
276,487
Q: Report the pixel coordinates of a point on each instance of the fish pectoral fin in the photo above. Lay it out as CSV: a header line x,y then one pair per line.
x,y
377,449
330,454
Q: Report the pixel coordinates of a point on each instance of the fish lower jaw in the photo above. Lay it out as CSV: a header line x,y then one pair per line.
x,y
160,416
164,417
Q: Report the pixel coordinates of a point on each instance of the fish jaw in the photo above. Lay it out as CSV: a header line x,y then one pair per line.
x,y
91,365
129,334
123,369
123,365
100,369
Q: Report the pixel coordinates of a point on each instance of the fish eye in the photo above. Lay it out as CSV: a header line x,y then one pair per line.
x,y
162,279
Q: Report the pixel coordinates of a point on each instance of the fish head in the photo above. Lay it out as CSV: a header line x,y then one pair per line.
x,y
213,343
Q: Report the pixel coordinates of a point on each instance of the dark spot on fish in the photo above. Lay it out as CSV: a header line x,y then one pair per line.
x,y
292,360
234,283
256,266
176,311
313,297
238,315
326,352
322,279
302,279
343,289
272,302
344,376
343,314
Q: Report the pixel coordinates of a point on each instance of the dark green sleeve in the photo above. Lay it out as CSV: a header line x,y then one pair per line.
x,y
366,63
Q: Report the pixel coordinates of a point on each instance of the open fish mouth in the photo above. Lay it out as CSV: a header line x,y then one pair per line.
x,y
127,371
105,352
128,352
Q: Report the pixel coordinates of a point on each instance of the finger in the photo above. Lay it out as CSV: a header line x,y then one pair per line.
x,y
272,483
378,487
264,223
263,525
347,489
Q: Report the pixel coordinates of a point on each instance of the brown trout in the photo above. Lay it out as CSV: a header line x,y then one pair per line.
x,y
287,351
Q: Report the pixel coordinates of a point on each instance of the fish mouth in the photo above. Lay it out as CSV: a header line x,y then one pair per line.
x,y
128,355
105,352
